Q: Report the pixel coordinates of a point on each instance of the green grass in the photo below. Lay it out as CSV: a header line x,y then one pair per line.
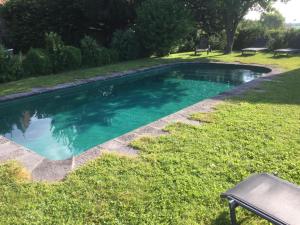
x,y
27,84
178,178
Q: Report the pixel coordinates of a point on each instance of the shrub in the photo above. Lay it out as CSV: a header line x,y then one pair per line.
x,y
250,34
293,38
113,56
217,41
71,58
54,48
3,60
161,24
10,66
15,67
127,44
90,51
277,39
28,21
36,63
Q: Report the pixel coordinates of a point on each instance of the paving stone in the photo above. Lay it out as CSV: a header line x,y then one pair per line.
x,y
86,156
127,138
159,124
49,170
30,160
115,146
149,130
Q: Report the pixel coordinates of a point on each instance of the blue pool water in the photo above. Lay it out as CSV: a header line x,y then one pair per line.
x,y
68,122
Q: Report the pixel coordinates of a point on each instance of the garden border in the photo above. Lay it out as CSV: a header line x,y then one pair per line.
x,y
43,169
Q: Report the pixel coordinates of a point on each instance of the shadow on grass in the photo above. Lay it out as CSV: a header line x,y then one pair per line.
x,y
283,56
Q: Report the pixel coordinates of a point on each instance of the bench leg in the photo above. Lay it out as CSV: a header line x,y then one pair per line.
x,y
232,206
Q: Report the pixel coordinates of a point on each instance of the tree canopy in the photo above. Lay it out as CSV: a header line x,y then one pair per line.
x,y
272,20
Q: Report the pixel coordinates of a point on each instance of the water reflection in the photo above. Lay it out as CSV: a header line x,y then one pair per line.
x,y
65,123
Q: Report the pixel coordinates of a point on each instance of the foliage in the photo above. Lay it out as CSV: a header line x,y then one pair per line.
x,y
277,39
217,41
15,68
231,12
54,47
127,44
293,38
3,59
250,34
105,17
90,51
11,67
206,15
108,56
177,178
272,20
28,21
37,63
71,58
161,24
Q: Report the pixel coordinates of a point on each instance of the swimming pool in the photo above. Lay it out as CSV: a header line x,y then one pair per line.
x,y
65,123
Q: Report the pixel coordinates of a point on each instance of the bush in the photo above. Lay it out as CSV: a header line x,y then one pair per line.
x,y
161,24
15,67
3,60
107,56
28,21
277,39
250,34
90,51
293,38
113,56
54,49
71,58
217,41
36,63
10,66
127,44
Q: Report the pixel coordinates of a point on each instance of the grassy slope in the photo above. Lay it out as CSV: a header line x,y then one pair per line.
x,y
178,178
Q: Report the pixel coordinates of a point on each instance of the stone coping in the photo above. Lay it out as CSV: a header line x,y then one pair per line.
x,y
43,169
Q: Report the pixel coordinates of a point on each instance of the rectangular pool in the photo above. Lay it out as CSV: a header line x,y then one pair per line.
x,y
61,124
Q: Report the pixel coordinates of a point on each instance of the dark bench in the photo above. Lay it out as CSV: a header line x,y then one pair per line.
x,y
253,50
272,198
286,51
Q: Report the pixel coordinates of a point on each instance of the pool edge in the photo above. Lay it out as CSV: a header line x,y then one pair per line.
x,y
43,169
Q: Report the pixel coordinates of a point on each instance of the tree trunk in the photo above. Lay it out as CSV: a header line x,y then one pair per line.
x,y
230,27
229,41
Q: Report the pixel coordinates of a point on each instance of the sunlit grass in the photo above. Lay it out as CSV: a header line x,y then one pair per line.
x,y
177,178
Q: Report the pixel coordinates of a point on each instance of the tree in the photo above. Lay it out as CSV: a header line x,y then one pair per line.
x,y
272,20
213,15
233,11
206,15
161,24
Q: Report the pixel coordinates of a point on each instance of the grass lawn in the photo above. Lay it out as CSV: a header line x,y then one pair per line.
x,y
178,178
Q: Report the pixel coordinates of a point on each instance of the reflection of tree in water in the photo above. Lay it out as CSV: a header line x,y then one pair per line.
x,y
73,111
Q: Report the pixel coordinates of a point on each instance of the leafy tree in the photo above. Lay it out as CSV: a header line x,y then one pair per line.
x,y
272,20
206,15
161,24
127,44
233,11
227,14
28,21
